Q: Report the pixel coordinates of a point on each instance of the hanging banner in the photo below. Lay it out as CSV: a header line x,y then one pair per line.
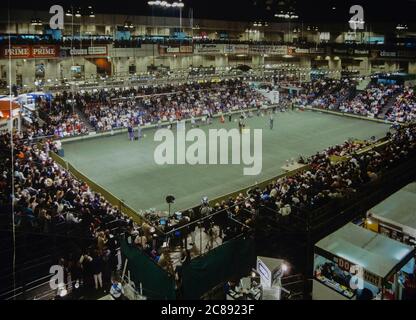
x,y
268,50
88,51
388,53
361,52
236,49
301,51
209,49
316,50
175,50
29,52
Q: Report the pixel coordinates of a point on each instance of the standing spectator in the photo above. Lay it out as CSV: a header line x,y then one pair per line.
x,y
97,266
139,131
131,132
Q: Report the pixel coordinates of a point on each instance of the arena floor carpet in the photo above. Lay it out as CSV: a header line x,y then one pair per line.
x,y
128,170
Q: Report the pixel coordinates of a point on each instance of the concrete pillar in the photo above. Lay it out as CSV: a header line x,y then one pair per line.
x,y
305,65
51,69
364,67
221,61
334,67
26,67
257,61
12,74
412,67
390,66
90,69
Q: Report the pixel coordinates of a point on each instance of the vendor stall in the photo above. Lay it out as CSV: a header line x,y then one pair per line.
x,y
357,264
9,115
395,217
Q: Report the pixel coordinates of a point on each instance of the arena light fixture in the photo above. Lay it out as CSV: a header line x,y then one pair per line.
x,y
36,22
128,25
401,27
286,15
166,4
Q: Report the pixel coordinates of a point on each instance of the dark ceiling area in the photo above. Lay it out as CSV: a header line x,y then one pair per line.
x,y
322,11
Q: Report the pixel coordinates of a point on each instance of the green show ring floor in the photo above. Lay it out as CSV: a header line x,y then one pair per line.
x,y
128,170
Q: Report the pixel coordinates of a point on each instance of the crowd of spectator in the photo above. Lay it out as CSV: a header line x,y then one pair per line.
x,y
48,199
404,108
371,101
324,181
342,95
107,111
55,118
325,93
335,152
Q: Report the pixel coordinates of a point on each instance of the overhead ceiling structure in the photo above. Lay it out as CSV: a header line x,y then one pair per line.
x,y
322,11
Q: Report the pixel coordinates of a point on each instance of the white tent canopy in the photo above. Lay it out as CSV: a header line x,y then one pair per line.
x,y
374,252
399,209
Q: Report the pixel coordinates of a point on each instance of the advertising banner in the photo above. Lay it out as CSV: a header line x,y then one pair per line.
x,y
388,54
361,52
175,50
317,50
269,50
301,51
89,51
236,49
209,49
29,51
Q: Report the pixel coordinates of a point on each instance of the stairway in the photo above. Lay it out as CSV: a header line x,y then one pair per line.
x,y
388,105
84,119
350,95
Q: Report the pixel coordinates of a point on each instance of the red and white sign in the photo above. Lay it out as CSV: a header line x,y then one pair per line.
x,y
28,52
44,51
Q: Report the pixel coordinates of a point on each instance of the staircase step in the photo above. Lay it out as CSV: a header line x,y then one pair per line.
x,y
388,105
84,119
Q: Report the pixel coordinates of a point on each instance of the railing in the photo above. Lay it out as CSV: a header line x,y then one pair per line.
x,y
137,41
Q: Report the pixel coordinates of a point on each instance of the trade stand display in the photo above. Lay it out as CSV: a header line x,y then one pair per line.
x,y
9,114
354,263
395,216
